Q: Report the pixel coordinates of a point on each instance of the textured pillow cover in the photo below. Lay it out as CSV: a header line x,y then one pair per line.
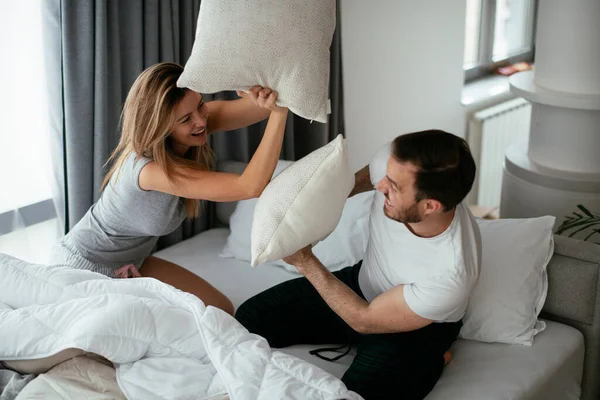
x,y
280,44
302,205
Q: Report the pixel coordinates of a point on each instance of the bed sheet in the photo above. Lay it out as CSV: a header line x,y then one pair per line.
x,y
550,369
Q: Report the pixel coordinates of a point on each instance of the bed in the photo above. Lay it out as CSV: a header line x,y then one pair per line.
x,y
550,369
562,364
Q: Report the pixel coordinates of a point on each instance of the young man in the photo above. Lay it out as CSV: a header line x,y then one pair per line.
x,y
402,305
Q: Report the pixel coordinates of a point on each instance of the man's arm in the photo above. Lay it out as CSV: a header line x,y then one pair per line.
x,y
387,313
362,182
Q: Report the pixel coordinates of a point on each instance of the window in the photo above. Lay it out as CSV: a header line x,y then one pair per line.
x,y
498,33
25,164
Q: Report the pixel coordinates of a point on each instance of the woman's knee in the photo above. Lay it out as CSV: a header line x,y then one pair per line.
x,y
186,281
223,303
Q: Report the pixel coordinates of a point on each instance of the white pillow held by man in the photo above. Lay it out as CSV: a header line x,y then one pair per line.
x,y
303,204
344,247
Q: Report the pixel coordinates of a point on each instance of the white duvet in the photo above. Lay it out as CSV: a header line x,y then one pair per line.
x,y
164,343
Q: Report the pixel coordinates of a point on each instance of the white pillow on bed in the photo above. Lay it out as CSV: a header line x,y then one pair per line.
x,y
344,247
513,283
281,44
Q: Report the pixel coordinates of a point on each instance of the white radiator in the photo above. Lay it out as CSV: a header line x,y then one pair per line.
x,y
490,132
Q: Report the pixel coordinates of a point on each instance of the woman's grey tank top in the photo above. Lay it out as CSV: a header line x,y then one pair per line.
x,y
124,225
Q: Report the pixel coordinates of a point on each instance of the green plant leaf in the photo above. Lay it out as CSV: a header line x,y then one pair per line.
x,y
585,210
584,227
576,216
578,224
580,221
592,234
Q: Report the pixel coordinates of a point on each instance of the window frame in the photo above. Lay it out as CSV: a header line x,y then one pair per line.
x,y
485,64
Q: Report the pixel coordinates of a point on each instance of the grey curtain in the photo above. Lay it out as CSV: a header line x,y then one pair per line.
x,y
105,44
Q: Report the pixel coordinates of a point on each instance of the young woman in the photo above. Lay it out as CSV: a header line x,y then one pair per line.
x,y
161,171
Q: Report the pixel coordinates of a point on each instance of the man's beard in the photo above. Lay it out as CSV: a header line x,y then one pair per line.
x,y
409,215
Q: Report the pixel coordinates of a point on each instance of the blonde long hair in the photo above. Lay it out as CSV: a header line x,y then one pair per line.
x,y
146,122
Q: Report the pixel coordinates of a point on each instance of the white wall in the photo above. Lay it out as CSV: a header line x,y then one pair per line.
x,y
402,70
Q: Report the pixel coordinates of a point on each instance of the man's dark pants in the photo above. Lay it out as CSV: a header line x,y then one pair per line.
x,y
387,366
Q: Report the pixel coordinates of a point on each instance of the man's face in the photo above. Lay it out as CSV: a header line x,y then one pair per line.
x,y
398,187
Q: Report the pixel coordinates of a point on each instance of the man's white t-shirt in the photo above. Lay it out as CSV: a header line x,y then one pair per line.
x,y
438,273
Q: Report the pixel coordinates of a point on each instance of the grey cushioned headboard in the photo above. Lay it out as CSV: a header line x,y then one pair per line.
x,y
573,299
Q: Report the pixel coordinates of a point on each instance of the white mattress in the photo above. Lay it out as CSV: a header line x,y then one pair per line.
x,y
550,369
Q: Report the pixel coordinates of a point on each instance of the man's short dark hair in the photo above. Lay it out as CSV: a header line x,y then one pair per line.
x,y
446,169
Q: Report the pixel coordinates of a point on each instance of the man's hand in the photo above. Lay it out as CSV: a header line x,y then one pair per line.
x,y
302,259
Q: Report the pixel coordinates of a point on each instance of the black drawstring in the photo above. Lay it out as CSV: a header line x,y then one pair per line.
x,y
316,352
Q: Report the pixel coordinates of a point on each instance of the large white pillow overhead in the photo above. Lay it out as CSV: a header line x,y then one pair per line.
x,y
281,44
513,282
303,204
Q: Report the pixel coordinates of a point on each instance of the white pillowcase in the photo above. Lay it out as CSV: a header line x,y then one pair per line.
x,y
281,44
302,205
513,282
345,246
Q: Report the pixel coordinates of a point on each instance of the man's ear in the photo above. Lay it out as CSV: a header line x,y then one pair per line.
x,y
432,206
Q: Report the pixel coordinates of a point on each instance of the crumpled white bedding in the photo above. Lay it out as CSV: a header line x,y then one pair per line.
x,y
164,343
